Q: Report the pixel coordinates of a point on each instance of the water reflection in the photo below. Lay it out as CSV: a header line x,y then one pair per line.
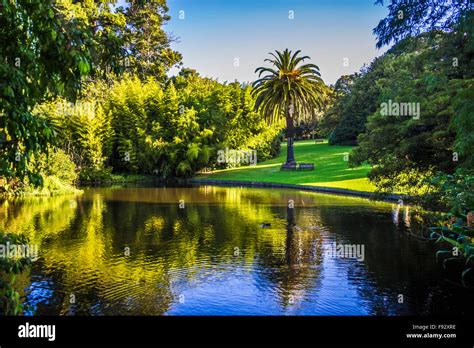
x,y
404,210
223,251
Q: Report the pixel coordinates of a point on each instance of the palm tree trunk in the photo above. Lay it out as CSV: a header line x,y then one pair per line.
x,y
290,132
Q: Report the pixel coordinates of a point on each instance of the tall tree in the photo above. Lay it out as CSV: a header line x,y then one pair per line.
x,y
146,43
44,51
291,90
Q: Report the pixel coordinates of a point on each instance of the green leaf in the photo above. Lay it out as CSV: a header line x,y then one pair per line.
x,y
84,67
8,91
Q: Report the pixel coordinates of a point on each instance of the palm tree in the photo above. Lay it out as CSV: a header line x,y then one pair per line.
x,y
288,90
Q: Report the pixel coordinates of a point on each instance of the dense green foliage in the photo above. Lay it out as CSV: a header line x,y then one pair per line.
x,y
356,99
168,130
405,148
457,191
32,35
85,133
456,228
58,174
81,38
410,18
10,268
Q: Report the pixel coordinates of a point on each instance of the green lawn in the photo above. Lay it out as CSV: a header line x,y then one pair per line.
x,y
330,169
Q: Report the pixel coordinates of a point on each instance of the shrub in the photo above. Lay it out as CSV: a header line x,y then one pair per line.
x,y
10,267
58,175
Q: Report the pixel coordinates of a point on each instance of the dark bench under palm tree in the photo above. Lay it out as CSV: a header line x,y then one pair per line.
x,y
300,166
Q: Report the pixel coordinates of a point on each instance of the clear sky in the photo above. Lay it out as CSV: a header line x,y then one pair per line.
x,y
216,35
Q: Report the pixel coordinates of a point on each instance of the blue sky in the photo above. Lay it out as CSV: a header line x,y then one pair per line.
x,y
215,33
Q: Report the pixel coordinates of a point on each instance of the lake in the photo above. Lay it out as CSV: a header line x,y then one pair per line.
x,y
208,250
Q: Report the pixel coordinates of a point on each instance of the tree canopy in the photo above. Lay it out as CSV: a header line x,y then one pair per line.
x,y
410,18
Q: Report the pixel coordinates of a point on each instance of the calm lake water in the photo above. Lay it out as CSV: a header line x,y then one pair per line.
x,y
210,250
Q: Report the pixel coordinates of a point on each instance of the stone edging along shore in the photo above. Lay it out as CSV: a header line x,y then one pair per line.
x,y
320,189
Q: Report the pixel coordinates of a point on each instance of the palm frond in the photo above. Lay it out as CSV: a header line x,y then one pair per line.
x,y
288,82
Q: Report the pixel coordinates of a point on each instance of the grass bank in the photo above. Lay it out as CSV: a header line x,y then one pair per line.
x,y
331,169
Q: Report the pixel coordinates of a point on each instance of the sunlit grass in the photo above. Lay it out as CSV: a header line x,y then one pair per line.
x,y
362,184
331,169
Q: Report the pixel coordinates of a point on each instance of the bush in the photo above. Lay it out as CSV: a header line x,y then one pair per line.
x,y
10,267
93,175
58,176
455,191
267,144
56,164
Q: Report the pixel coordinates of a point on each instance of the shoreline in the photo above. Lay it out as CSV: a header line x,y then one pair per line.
x,y
320,189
